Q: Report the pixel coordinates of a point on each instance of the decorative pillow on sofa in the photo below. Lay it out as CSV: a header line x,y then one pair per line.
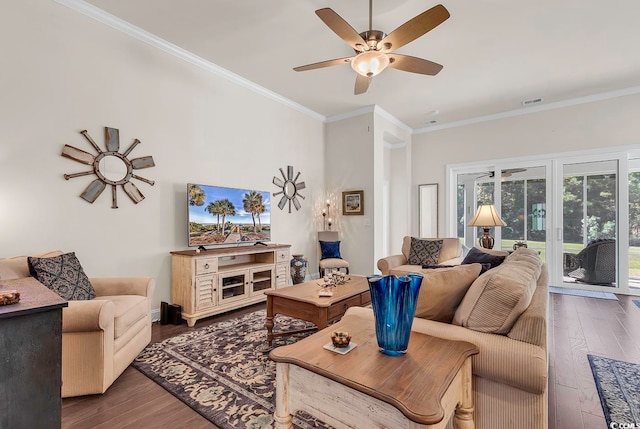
x,y
443,289
330,250
477,256
424,252
497,298
64,275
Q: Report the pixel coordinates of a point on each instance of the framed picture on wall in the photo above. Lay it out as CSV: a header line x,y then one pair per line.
x,y
353,203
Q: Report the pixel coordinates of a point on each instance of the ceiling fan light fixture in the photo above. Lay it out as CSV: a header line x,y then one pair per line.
x,y
370,63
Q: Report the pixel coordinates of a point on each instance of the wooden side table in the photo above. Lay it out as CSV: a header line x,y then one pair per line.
x,y
364,388
302,302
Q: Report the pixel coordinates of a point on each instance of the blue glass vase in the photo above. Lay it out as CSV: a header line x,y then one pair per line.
x,y
394,300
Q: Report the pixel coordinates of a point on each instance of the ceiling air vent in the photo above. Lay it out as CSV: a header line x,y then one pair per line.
x,y
532,101
431,122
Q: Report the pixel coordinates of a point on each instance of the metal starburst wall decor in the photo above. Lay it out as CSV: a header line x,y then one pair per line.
x,y
100,167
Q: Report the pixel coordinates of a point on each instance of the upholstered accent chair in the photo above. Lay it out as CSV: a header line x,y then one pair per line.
x,y
101,336
331,237
595,264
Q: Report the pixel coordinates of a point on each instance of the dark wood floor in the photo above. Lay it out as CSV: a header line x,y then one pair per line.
x,y
577,326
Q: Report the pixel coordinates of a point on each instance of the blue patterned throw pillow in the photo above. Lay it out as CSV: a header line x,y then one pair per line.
x,y
424,252
64,275
330,250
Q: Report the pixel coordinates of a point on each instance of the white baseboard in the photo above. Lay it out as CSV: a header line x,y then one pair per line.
x,y
155,315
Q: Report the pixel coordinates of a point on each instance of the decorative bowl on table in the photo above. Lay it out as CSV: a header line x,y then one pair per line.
x,y
340,339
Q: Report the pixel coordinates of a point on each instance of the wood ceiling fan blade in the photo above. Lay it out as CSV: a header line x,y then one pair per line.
x,y
322,64
414,64
415,27
341,27
362,84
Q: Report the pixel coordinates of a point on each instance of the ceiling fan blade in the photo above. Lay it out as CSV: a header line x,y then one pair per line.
x,y
322,64
341,28
415,27
362,84
414,64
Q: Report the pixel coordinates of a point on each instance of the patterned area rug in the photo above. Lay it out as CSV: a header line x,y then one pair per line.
x,y
223,371
618,386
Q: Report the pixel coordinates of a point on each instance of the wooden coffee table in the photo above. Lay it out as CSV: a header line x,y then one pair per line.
x,y
364,388
302,302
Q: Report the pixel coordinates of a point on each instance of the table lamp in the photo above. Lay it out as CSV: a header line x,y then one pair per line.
x,y
486,217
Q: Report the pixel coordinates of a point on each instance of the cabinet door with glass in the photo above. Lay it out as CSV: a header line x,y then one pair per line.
x,y
262,279
233,285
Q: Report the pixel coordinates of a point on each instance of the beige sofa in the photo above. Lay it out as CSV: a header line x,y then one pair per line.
x,y
510,372
450,254
102,336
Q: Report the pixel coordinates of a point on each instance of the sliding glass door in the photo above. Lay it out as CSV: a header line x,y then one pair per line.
x,y
589,224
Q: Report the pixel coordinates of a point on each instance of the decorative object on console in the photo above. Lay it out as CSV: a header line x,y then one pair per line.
x,y
290,187
486,217
64,275
353,203
111,167
8,297
394,301
424,252
298,269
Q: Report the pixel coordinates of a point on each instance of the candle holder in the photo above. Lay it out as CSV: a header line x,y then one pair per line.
x,y
325,212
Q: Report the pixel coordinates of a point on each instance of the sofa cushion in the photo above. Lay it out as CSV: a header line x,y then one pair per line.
x,y
17,267
498,297
127,310
442,290
62,274
330,250
488,260
424,251
451,248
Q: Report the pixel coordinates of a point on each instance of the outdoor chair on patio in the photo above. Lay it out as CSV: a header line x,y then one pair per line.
x,y
595,264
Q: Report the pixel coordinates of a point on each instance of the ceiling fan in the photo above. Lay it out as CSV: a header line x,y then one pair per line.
x,y
374,47
507,172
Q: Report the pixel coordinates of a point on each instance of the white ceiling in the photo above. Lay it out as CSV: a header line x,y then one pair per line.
x,y
496,53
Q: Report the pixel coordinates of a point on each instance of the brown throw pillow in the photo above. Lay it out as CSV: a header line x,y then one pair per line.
x,y
424,252
442,291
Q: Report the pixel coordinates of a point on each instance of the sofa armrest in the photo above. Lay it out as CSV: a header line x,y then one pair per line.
x,y
87,316
142,286
501,359
390,262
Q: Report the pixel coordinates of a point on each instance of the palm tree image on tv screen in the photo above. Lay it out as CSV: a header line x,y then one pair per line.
x,y
220,215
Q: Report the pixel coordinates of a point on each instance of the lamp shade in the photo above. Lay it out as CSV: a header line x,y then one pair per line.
x,y
486,216
370,63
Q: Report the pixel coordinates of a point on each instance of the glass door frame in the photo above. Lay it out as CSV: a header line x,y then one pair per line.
x,y
554,164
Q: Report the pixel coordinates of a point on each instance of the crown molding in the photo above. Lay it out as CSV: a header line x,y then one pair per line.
x,y
138,33
395,121
533,109
351,114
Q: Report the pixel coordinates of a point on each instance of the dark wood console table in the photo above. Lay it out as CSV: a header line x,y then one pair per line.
x,y
31,357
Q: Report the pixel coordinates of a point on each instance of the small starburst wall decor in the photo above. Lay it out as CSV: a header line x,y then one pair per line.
x,y
289,188
110,167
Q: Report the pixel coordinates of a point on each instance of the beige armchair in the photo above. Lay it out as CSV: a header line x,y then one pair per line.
x,y
102,336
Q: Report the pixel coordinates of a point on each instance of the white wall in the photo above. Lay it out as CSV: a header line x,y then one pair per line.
x,y
602,124
63,72
349,167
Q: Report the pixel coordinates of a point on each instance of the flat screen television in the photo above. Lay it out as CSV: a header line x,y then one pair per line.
x,y
218,215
